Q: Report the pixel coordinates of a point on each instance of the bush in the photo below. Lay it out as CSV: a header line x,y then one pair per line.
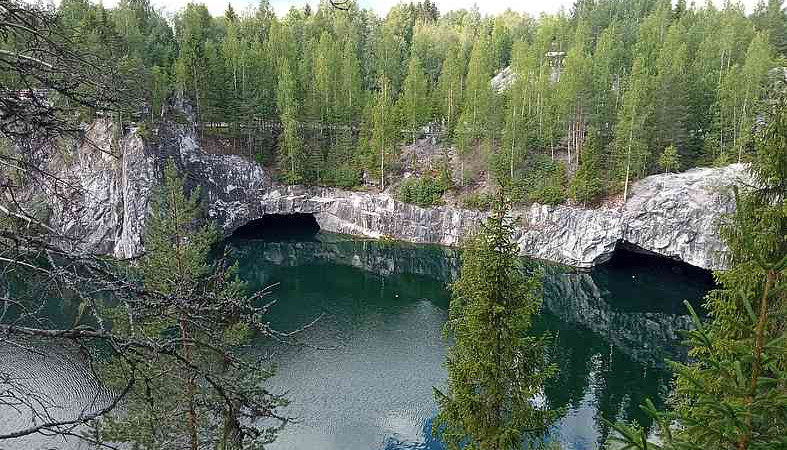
x,y
669,161
423,191
549,194
482,202
344,177
543,183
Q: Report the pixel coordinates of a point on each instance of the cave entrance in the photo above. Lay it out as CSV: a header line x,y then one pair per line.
x,y
278,227
647,281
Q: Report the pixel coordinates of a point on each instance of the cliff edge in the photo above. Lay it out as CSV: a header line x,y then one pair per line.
x,y
674,215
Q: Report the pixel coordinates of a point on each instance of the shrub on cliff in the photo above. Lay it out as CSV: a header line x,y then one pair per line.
x,y
423,191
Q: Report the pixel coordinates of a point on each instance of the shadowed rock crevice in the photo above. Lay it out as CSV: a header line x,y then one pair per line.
x,y
631,257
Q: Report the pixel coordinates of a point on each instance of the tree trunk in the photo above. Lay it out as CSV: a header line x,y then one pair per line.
x,y
759,344
232,437
628,165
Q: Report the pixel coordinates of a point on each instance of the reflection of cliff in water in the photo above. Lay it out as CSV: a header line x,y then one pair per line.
x,y
612,327
638,308
386,303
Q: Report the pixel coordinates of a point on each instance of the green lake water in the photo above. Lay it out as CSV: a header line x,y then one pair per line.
x,y
383,305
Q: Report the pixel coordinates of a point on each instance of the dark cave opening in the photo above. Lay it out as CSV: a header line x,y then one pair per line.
x,y
646,279
628,255
275,227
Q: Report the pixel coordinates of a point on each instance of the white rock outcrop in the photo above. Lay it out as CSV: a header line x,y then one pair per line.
x,y
675,215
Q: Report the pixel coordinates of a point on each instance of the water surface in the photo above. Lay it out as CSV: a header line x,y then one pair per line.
x,y
383,307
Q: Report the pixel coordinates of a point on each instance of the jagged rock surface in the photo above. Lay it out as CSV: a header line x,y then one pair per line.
x,y
104,191
674,215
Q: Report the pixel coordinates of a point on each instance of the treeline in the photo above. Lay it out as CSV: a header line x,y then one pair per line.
x,y
598,93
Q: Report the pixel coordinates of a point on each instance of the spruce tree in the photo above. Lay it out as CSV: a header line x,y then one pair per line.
x,y
191,383
494,367
733,395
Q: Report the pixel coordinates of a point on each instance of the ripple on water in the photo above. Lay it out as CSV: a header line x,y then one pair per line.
x,y
366,394
58,384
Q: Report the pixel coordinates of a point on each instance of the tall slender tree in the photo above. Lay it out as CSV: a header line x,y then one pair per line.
x,y
290,144
450,87
414,101
383,126
478,93
494,367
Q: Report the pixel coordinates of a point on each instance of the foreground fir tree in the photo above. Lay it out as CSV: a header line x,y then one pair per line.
x,y
734,393
193,384
495,368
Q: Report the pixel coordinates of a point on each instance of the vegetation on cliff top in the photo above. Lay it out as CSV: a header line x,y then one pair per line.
x,y
340,90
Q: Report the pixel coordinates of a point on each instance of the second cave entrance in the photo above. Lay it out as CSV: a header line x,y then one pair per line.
x,y
297,226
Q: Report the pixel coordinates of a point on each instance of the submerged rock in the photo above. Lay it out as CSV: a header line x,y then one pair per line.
x,y
674,215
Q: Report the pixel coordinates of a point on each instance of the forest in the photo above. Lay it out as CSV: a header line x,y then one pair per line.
x,y
593,98
431,107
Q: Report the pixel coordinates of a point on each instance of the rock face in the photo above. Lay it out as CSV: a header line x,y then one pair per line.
x,y
108,187
674,215
503,80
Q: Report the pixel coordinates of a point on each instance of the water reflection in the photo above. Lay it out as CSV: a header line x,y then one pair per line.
x,y
386,304
384,307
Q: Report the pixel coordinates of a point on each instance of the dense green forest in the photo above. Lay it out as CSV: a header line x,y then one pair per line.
x,y
609,91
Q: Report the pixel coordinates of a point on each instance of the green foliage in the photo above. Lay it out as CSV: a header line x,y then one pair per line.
x,y
669,161
646,78
423,191
482,202
383,129
733,395
186,381
448,96
494,367
586,185
477,108
171,234
342,165
291,152
544,183
414,102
